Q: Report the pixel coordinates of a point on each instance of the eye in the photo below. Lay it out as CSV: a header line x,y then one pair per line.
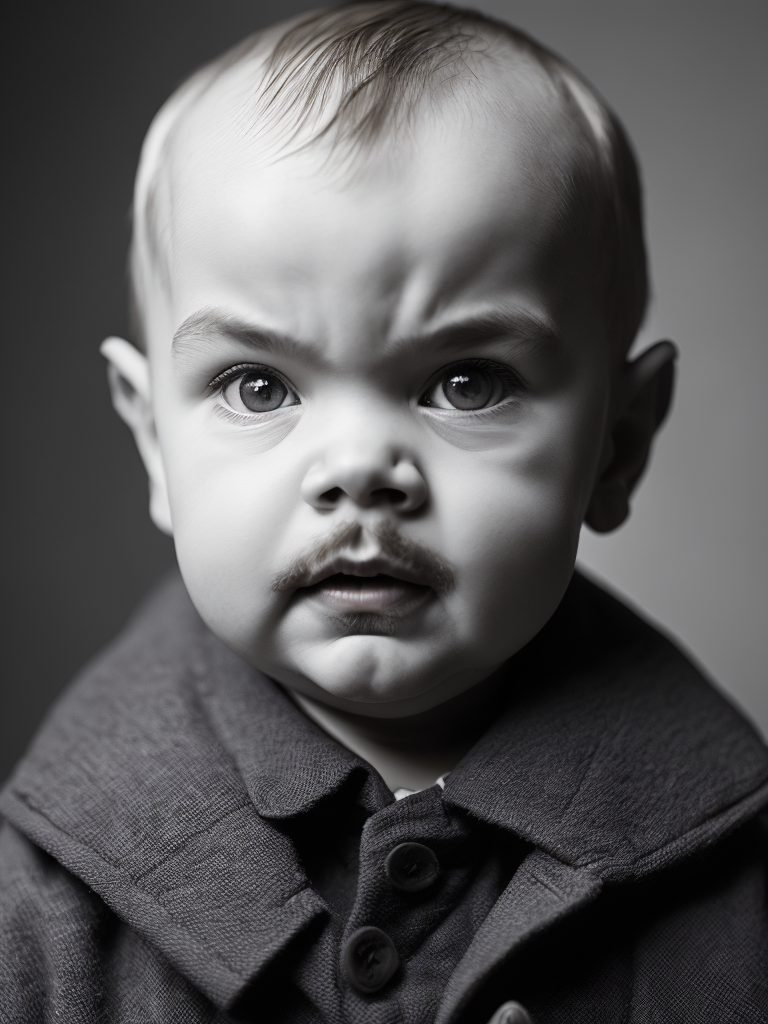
x,y
254,389
471,385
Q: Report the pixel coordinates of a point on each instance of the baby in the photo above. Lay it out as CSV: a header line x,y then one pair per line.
x,y
382,756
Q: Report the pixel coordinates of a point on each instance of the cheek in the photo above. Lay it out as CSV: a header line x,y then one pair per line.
x,y
231,505
507,526
511,522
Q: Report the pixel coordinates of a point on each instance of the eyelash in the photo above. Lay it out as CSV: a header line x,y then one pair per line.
x,y
513,384
239,370
219,383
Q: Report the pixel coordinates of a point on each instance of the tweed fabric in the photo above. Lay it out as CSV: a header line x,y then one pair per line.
x,y
182,844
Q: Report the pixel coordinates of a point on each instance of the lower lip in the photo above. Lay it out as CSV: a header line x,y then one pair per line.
x,y
344,593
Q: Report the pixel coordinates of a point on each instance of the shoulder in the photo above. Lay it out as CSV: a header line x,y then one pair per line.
x,y
35,893
688,944
66,956
617,754
701,933
49,919
134,681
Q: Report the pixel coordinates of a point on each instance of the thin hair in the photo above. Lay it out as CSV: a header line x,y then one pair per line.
x,y
360,70
354,75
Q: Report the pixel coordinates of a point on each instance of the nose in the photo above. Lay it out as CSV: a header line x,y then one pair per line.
x,y
368,473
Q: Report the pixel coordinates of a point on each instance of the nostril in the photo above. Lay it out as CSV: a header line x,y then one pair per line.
x,y
388,496
333,496
365,482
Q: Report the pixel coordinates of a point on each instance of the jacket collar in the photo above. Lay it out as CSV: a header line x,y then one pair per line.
x,y
163,771
617,756
157,779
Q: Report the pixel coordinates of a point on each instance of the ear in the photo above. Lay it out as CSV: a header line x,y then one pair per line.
x,y
643,398
129,384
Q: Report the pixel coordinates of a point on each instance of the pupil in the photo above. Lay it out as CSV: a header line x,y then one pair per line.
x,y
261,392
469,389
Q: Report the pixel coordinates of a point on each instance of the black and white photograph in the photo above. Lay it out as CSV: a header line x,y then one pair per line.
x,y
385,489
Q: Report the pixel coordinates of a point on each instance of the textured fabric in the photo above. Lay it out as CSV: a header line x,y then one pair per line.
x,y
182,844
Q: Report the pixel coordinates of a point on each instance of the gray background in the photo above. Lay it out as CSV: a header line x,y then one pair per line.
x,y
688,77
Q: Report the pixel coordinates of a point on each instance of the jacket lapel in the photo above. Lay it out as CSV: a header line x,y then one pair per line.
x,y
615,754
618,760
132,788
542,892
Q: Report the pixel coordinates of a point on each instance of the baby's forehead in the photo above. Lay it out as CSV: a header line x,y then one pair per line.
x,y
243,112
350,101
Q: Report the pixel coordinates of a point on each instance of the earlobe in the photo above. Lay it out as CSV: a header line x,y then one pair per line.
x,y
644,396
130,387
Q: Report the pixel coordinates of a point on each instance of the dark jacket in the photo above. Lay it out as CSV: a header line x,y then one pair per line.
x,y
182,844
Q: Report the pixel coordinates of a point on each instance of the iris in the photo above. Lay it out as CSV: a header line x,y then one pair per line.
x,y
262,392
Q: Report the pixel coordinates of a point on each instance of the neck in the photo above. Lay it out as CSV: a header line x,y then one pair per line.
x,y
413,752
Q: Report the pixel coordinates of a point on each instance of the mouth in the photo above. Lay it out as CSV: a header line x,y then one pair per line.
x,y
381,593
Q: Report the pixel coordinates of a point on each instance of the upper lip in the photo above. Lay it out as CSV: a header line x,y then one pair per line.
x,y
369,567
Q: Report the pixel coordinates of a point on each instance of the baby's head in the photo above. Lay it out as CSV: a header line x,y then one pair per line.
x,y
388,262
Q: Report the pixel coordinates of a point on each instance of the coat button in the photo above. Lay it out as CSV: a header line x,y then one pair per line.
x,y
411,867
511,1013
370,959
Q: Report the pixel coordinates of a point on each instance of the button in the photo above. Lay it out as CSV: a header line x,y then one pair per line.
x,y
511,1013
370,959
412,867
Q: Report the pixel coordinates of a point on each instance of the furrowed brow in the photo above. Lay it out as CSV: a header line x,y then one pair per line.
x,y
518,326
202,330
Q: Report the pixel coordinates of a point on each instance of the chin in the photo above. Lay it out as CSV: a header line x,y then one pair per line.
x,y
370,669
381,678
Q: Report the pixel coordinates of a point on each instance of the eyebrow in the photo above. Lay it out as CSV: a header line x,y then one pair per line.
x,y
524,328
200,330
520,326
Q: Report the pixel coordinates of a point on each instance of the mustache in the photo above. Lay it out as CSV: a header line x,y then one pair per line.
x,y
416,559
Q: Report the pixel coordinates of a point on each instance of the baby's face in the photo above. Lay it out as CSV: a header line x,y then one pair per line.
x,y
380,401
